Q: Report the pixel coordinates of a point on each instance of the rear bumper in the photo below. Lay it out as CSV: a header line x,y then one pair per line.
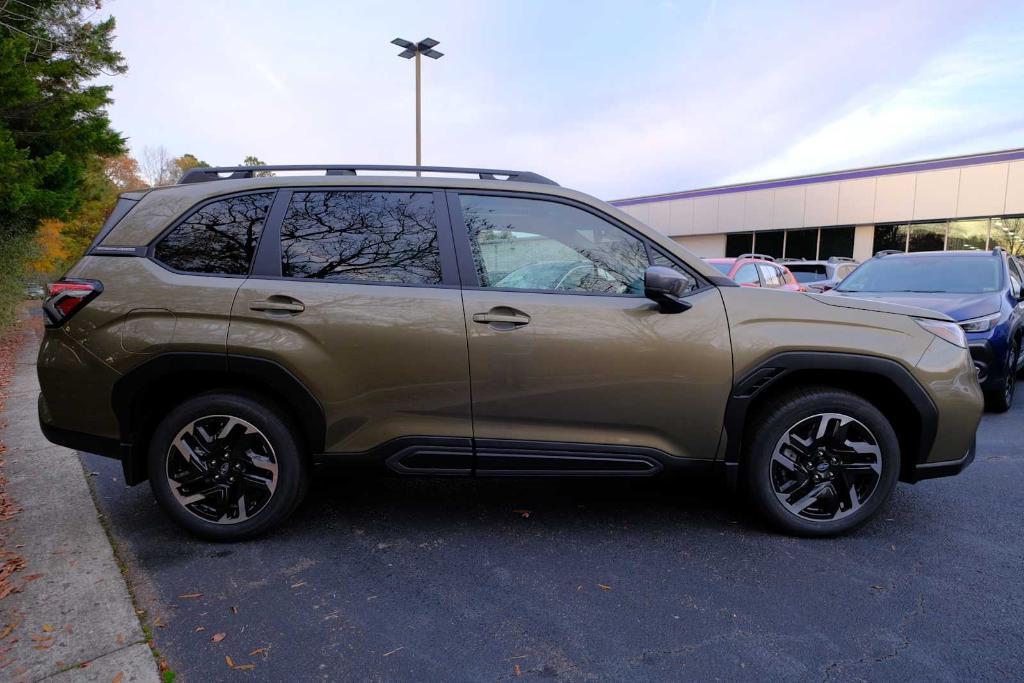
x,y
948,468
79,441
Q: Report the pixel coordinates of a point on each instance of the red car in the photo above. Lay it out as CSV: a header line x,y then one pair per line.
x,y
757,270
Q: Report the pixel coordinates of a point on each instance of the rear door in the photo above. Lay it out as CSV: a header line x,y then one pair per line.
x,y
571,373
356,293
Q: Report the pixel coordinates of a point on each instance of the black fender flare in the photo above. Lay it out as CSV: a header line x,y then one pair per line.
x,y
775,368
253,370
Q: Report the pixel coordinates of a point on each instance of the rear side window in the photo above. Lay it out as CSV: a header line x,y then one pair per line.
x,y
770,275
219,238
361,236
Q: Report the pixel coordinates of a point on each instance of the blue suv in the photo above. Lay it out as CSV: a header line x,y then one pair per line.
x,y
981,290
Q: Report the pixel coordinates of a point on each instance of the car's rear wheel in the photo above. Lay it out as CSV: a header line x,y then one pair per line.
x,y
227,467
821,462
1000,400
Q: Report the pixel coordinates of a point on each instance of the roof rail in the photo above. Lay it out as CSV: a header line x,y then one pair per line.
x,y
887,252
201,175
763,257
996,249
847,259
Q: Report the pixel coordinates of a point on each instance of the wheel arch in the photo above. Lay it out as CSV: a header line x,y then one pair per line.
x,y
143,395
881,381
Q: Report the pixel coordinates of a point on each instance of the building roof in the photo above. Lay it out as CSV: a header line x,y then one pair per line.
x,y
871,171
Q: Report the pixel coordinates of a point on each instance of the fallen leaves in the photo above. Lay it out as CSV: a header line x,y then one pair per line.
x,y
217,637
118,677
190,596
604,587
525,514
238,667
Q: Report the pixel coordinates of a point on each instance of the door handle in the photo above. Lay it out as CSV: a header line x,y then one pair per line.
x,y
503,318
278,304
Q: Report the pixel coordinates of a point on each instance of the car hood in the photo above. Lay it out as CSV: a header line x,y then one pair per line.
x,y
956,306
832,298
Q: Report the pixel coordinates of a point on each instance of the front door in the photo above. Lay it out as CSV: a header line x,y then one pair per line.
x,y
358,297
567,357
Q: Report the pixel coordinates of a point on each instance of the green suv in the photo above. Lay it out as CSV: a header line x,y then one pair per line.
x,y
223,336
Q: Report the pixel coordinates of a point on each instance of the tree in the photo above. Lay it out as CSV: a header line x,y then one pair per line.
x,y
53,124
124,173
186,162
158,166
252,160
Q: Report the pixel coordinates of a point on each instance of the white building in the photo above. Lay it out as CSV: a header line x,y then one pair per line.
x,y
967,202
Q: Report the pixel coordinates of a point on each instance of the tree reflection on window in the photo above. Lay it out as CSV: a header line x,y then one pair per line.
x,y
219,238
363,236
542,245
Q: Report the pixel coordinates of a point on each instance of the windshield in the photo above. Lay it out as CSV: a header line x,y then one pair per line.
x,y
940,274
723,268
808,273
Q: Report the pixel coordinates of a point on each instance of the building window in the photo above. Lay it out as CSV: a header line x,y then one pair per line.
x,y
890,237
802,244
968,235
927,237
1008,233
836,242
738,243
769,243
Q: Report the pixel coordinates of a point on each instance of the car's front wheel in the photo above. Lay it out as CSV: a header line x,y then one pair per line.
x,y
821,462
227,467
1000,400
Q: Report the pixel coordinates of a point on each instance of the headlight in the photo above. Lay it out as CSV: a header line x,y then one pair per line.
x,y
982,324
951,332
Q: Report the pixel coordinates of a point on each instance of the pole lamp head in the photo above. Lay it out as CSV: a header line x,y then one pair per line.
x,y
425,47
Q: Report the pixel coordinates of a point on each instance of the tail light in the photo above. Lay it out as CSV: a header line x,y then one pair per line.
x,y
67,297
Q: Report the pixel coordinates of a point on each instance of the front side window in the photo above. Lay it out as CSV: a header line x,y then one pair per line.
x,y
542,245
361,236
219,238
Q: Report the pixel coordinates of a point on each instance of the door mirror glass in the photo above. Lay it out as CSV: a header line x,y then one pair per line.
x,y
667,287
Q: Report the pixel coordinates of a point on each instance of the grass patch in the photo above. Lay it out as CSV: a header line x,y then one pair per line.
x,y
15,253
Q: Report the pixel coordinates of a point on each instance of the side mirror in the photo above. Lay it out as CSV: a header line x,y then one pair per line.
x,y
666,287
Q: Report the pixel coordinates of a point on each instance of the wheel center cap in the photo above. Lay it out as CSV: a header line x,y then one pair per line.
x,y
822,467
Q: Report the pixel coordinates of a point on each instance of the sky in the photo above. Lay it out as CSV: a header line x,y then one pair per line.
x,y
616,99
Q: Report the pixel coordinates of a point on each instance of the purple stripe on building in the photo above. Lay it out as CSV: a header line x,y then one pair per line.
x,y
911,167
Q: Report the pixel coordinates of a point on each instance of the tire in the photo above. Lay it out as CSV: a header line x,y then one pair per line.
x,y
1000,400
227,467
859,450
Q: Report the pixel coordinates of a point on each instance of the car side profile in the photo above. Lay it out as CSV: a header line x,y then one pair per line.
x,y
756,270
981,290
224,336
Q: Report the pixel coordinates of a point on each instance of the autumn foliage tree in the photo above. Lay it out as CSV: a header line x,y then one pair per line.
x,y
53,120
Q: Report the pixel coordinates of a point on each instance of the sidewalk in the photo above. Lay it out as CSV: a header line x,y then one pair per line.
x,y
70,617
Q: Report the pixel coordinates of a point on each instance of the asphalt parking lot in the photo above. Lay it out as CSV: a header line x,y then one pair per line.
x,y
402,579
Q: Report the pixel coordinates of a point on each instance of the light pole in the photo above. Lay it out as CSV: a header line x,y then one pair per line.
x,y
410,50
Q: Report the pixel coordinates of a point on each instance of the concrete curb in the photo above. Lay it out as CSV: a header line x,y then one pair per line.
x,y
74,620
